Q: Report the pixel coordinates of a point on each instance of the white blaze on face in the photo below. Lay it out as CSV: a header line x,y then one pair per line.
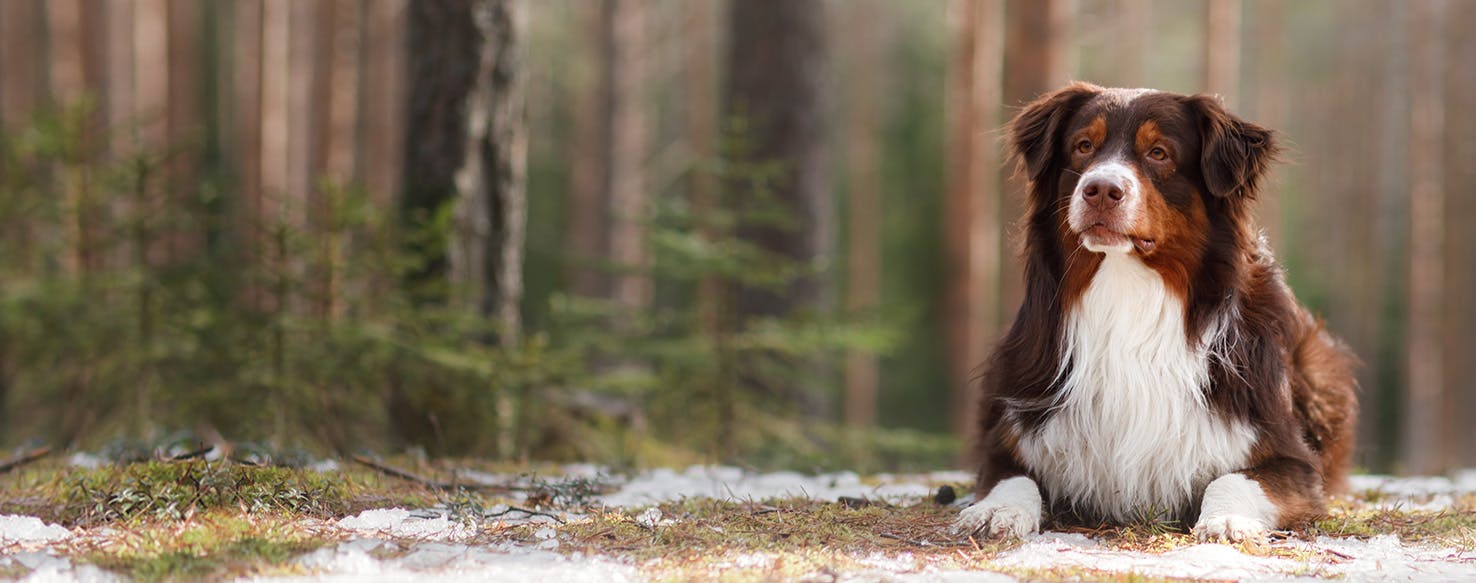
x,y
1124,217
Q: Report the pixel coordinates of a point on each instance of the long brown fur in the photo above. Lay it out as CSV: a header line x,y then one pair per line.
x,y
1287,376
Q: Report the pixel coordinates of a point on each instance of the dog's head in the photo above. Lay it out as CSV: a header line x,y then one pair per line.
x,y
1139,171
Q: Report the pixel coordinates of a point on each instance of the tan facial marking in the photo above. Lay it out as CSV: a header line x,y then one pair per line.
x,y
1148,134
1097,130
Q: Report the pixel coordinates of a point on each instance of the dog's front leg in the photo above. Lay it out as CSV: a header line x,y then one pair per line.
x,y
1013,508
1245,505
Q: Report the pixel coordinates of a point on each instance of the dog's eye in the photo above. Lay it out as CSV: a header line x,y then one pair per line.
x,y
1084,147
1158,153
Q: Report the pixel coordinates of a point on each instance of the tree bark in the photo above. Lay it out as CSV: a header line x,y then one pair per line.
x,y
1270,98
24,78
468,101
1425,442
700,77
778,68
1222,50
1134,27
867,44
1460,213
589,204
971,211
1037,60
443,48
778,71
627,184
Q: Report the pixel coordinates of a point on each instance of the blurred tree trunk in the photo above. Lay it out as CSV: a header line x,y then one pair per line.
x,y
443,46
700,76
589,206
1270,97
336,106
250,202
1426,441
1037,60
184,123
1460,213
971,209
626,64
610,198
867,44
467,148
24,77
382,96
76,68
1131,43
1222,50
778,67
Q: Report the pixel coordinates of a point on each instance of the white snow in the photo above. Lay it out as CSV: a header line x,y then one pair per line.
x,y
29,529
352,562
48,568
730,483
400,523
1422,493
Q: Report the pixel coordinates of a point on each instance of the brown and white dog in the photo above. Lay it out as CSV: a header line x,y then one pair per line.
x,y
1159,365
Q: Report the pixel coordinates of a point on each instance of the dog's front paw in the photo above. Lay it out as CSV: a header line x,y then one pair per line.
x,y
1232,528
1012,510
1235,510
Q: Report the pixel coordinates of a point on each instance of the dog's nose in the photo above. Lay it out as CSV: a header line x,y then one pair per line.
x,y
1103,194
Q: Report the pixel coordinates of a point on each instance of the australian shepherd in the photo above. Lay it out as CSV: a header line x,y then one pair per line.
x,y
1159,367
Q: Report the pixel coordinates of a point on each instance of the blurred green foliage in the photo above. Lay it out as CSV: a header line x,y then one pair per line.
x,y
133,303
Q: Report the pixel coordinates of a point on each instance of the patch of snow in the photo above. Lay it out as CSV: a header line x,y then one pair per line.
x,y
892,564
452,563
730,483
1417,493
328,465
936,577
82,459
29,529
46,568
650,518
401,523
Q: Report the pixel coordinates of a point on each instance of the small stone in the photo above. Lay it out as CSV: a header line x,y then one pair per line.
x,y
945,495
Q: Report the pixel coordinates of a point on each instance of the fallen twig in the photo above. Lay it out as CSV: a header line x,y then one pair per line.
x,y
394,472
436,484
189,455
24,459
922,543
525,511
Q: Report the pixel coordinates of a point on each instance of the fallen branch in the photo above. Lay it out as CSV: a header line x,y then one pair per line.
x,y
923,543
189,455
436,484
525,511
394,472
24,459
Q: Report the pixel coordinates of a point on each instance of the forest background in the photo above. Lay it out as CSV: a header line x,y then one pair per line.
x,y
642,232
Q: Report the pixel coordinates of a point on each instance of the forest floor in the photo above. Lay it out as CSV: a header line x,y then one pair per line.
x,y
82,520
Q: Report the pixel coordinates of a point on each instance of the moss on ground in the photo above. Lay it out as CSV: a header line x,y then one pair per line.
x,y
214,545
164,490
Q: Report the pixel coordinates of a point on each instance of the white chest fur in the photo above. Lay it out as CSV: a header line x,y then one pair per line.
x,y
1132,434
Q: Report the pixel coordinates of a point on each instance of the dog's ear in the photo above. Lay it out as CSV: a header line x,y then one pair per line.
x,y
1235,154
1035,132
